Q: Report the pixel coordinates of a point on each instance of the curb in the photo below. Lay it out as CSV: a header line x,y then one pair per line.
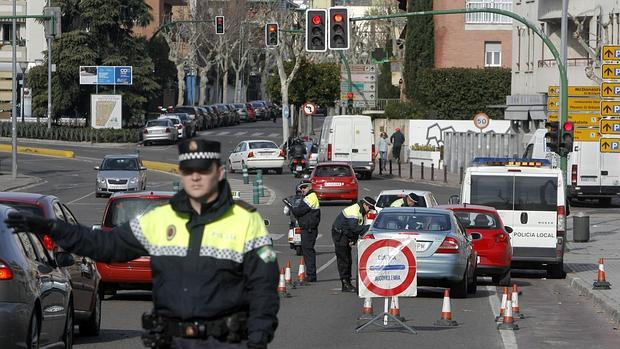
x,y
609,306
33,181
38,151
161,166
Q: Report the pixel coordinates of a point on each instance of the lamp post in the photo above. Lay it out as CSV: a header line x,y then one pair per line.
x,y
186,70
23,66
14,95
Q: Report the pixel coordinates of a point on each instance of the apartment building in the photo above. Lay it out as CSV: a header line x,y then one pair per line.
x,y
161,10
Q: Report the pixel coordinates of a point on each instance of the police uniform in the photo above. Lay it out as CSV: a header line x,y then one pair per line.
x,y
215,273
402,203
308,216
347,228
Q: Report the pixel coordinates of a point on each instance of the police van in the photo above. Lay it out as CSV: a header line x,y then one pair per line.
x,y
529,196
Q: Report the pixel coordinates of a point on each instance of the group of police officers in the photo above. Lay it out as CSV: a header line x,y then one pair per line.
x,y
214,269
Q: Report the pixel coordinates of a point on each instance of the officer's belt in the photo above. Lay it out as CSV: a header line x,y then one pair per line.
x,y
230,328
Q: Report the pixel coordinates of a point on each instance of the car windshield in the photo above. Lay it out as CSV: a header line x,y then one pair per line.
x,y
476,220
414,221
333,171
386,200
124,209
184,117
175,121
34,209
119,164
263,145
256,105
160,122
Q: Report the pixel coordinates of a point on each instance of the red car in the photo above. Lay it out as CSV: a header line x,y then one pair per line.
x,y
491,239
334,181
121,208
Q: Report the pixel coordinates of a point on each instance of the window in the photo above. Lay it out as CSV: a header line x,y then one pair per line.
x,y
492,54
476,220
387,200
494,191
488,18
69,215
58,212
412,222
27,246
333,171
7,32
263,145
536,193
124,210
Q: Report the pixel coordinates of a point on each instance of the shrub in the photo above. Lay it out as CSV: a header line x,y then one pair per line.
x,y
72,134
424,147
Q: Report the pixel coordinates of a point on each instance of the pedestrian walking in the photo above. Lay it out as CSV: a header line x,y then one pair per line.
x,y
397,139
383,150
308,216
347,228
215,273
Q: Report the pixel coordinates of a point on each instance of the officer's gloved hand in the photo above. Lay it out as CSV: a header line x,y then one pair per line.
x,y
27,222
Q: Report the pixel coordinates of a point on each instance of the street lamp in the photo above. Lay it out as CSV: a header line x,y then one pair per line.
x,y
23,66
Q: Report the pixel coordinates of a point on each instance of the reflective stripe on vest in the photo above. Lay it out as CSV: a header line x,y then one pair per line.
x,y
162,231
353,211
312,201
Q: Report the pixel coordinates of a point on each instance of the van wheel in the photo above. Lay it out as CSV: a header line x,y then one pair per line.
x,y
556,271
502,279
604,201
32,341
91,326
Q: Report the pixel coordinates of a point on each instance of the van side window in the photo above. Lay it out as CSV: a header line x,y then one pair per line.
x,y
536,193
529,151
494,191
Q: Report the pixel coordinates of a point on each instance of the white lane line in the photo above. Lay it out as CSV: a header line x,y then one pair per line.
x,y
223,133
207,133
366,189
508,337
240,133
273,135
275,237
324,266
81,197
257,134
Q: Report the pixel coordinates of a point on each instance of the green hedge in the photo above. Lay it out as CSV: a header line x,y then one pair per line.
x,y
72,134
406,110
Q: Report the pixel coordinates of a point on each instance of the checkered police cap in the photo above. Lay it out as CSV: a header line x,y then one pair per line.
x,y
198,153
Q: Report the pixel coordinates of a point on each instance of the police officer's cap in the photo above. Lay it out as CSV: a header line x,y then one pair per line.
x,y
304,183
198,154
414,197
369,201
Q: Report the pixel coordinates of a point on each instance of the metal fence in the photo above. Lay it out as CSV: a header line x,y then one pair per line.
x,y
488,18
460,148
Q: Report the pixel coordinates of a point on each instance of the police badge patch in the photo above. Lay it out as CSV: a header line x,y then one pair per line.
x,y
267,254
171,231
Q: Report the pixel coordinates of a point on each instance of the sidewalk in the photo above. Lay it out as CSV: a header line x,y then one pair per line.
x,y
452,180
581,259
7,183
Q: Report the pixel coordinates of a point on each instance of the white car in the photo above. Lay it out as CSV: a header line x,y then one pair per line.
x,y
177,124
257,154
387,197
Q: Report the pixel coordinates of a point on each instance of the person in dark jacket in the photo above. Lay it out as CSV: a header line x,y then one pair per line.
x,y
308,216
347,228
215,273
397,139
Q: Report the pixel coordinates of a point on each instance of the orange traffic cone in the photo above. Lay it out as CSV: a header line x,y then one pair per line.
x,y
502,306
367,311
601,283
287,275
282,292
446,311
516,312
301,275
508,323
395,309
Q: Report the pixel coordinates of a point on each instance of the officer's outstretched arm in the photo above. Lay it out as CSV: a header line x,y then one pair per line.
x,y
118,245
260,268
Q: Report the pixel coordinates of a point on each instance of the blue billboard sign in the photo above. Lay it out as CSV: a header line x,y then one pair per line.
x,y
106,75
123,75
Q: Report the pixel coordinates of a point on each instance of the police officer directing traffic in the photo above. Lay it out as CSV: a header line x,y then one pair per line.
x,y
347,228
308,216
214,269
410,200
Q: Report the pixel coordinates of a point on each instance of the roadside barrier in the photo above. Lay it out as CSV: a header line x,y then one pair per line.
x,y
38,151
601,283
446,311
508,321
502,306
246,177
301,275
516,311
282,292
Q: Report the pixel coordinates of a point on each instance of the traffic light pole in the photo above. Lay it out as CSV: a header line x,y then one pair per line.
x,y
343,57
561,66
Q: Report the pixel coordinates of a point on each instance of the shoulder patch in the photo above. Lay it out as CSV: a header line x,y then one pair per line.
x,y
246,206
267,254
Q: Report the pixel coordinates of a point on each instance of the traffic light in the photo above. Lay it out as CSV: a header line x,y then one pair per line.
x,y
219,25
553,136
350,101
272,32
339,28
566,144
402,5
316,30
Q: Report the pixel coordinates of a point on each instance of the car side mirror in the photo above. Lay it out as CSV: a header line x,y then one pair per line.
x,y
96,168
454,199
142,168
267,222
475,236
64,259
508,229
96,227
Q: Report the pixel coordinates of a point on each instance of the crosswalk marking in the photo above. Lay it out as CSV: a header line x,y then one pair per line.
x,y
223,133
273,135
257,134
240,133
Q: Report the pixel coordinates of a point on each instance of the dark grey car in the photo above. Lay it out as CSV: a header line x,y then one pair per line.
x,y
35,292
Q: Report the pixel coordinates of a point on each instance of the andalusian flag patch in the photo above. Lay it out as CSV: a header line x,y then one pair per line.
x,y
267,254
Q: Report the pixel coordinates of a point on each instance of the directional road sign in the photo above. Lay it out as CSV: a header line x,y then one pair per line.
x,y
610,145
610,127
357,86
574,104
575,91
359,77
611,53
610,89
610,108
361,68
586,134
611,71
357,96
579,119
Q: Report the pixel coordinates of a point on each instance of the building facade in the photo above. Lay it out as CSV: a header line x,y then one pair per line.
x,y
161,10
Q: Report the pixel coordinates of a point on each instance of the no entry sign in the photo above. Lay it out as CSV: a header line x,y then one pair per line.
x,y
387,267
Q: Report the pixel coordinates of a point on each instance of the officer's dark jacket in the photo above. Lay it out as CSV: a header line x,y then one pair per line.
x,y
204,266
349,222
307,211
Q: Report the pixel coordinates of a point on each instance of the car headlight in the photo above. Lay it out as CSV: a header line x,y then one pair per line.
x,y
134,180
101,180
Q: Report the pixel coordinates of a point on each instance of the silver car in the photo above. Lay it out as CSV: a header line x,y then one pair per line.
x,y
444,252
120,173
160,130
35,292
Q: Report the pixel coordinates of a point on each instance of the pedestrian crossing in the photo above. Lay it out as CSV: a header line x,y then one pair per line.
x,y
241,133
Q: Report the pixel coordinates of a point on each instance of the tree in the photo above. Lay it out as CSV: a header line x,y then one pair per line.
x,y
419,46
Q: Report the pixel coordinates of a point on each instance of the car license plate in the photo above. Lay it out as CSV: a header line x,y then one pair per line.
x,y
421,245
334,184
298,168
588,179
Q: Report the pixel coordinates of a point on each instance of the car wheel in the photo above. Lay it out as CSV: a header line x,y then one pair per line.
x,y
91,326
459,290
32,341
230,168
97,195
278,171
67,336
556,271
604,201
502,279
146,143
298,251
472,285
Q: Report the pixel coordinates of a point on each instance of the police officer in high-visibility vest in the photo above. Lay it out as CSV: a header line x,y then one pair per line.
x,y
347,228
308,216
214,269
410,200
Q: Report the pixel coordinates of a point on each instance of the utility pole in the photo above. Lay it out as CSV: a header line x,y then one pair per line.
x,y
49,76
563,94
14,98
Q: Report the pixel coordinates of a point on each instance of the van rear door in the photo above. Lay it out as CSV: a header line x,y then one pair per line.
x,y
494,190
610,169
361,149
343,132
588,163
535,211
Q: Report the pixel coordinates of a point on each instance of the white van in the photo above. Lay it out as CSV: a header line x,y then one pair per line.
x,y
349,138
529,196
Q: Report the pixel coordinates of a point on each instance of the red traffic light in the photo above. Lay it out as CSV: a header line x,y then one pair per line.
x,y
350,95
338,18
316,20
568,126
271,28
219,20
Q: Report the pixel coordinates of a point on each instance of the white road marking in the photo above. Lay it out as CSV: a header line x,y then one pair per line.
x,y
366,189
207,133
273,135
508,337
223,133
240,133
324,266
257,134
275,237
319,236
80,198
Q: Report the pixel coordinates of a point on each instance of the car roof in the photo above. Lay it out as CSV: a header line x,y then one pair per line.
x,y
117,156
31,198
468,207
334,163
259,140
141,194
401,191
415,210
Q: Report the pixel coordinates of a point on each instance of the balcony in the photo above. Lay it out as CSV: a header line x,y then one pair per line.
x,y
488,18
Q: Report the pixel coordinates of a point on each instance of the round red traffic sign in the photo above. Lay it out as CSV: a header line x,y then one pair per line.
x,y
397,289
481,121
309,108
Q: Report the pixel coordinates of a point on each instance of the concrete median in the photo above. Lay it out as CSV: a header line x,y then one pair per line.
x,y
161,166
39,151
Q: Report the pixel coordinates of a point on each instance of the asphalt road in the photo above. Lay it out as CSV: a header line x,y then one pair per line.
x,y
320,316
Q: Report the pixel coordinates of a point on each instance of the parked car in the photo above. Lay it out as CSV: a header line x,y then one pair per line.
x,y
387,197
491,239
120,173
183,131
220,117
334,181
121,208
257,154
242,111
251,112
159,130
35,292
227,118
233,112
193,112
445,256
209,118
260,109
